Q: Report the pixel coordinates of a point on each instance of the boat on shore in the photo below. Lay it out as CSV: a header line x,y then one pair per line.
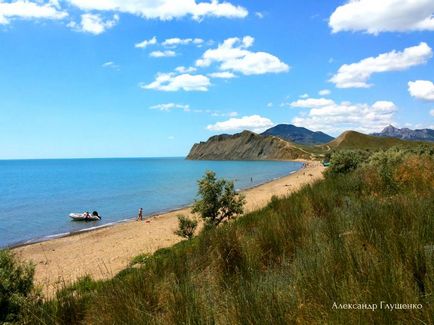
x,y
85,216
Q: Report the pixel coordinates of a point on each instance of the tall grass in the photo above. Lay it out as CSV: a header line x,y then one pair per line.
x,y
356,238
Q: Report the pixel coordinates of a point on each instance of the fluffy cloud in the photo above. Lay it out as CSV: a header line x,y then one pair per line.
x,y
173,82
336,118
255,123
146,43
312,102
324,92
174,42
421,89
374,16
356,75
94,24
233,55
23,9
222,75
170,106
162,54
165,9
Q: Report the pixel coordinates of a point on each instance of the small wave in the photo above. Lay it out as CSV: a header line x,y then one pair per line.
x,y
63,234
97,227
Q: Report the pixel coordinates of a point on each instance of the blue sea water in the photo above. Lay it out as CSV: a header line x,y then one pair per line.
x,y
36,196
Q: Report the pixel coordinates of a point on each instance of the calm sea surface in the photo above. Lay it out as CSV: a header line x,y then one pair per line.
x,y
36,196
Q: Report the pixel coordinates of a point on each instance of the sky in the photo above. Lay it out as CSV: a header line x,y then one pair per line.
x,y
149,78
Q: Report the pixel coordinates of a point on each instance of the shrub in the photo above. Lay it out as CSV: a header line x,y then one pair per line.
x,y
186,227
16,287
219,201
345,161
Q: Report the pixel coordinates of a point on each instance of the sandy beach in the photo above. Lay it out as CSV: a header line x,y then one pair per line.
x,y
104,252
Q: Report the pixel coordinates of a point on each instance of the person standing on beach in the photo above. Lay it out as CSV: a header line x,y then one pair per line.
x,y
140,215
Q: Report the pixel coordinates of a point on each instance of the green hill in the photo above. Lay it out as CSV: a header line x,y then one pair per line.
x,y
356,140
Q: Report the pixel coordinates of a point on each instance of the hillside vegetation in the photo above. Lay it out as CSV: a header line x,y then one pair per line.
x,y
364,236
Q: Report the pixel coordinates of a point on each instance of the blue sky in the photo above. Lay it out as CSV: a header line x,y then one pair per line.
x,y
112,78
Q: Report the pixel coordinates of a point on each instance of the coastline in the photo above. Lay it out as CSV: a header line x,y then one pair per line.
x,y
50,237
106,250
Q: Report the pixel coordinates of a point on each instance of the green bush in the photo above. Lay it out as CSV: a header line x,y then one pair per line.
x,y
16,287
186,227
345,161
219,202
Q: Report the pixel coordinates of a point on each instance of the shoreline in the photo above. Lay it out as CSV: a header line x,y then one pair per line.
x,y
103,252
46,238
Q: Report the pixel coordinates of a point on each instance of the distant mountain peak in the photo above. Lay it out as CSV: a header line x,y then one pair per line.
x,y
406,133
299,135
390,127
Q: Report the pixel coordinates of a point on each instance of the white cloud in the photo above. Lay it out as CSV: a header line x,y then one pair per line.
x,y
222,75
431,112
183,69
173,82
164,9
170,106
233,55
375,16
110,65
174,42
23,9
336,118
260,15
312,102
255,123
146,43
304,96
356,75
324,92
162,54
421,89
94,24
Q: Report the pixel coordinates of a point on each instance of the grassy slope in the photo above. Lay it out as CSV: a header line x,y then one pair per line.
x,y
348,239
356,140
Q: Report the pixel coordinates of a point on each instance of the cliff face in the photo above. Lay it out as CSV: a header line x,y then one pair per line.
x,y
245,146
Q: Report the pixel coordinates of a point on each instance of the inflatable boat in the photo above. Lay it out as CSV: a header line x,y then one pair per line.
x,y
82,216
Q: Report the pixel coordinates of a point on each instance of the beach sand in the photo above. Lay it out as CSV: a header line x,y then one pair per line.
x,y
104,252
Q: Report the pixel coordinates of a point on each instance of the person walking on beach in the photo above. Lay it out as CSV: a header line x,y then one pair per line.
x,y
140,215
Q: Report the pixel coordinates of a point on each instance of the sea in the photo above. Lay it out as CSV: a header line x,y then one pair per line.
x,y
37,196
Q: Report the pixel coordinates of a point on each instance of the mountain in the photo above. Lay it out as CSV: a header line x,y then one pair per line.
x,y
407,134
246,146
356,140
298,135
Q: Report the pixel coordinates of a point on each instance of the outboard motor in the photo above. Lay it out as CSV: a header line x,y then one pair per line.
x,y
95,214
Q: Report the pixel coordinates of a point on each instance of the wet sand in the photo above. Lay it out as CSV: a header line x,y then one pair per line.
x,y
104,252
